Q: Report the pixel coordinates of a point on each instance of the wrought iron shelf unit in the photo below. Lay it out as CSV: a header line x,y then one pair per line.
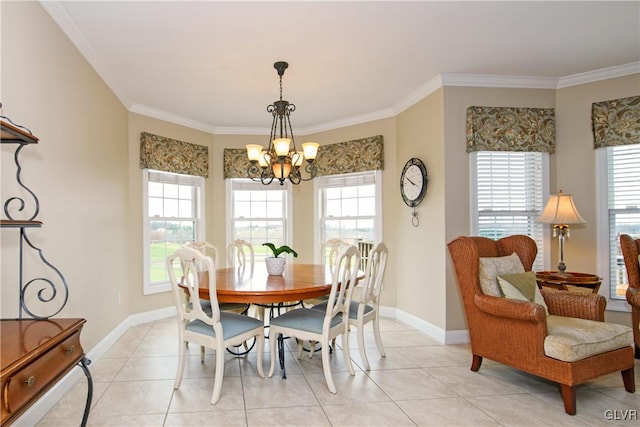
x,y
37,351
53,291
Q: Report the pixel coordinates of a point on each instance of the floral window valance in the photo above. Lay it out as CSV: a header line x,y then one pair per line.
x,y
511,129
171,155
616,122
358,155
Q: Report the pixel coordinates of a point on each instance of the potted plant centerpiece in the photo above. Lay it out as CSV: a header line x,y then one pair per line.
x,y
275,264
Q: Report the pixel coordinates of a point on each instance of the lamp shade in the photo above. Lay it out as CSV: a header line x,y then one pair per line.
x,y
560,209
253,152
310,150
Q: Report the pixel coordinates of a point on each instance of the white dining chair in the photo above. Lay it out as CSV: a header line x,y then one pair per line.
x,y
322,326
365,308
218,329
329,250
237,253
207,248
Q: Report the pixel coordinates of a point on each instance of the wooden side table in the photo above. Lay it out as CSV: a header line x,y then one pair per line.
x,y
569,281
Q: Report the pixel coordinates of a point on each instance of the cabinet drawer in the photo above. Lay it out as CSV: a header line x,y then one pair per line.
x,y
37,375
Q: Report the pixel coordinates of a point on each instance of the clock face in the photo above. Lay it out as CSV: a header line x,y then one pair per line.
x,y
413,182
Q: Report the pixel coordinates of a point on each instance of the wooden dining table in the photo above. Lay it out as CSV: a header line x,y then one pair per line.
x,y
242,285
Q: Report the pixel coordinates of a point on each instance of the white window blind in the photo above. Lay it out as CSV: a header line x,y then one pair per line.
x,y
623,190
509,196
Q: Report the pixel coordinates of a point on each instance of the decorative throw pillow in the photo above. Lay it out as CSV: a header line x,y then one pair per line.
x,y
522,286
491,267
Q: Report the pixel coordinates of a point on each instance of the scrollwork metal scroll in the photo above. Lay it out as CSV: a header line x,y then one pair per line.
x,y
48,292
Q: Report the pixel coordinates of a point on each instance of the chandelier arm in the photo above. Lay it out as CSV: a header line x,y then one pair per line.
x,y
266,177
272,134
295,177
311,169
253,172
288,122
283,123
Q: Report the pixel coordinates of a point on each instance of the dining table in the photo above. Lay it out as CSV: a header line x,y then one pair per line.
x,y
255,286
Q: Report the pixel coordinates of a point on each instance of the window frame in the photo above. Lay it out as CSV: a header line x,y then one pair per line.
x,y
199,226
248,183
320,182
543,249
603,231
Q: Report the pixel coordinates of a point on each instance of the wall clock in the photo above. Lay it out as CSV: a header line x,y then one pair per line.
x,y
413,185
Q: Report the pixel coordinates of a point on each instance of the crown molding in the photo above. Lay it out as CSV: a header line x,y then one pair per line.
x,y
355,120
597,75
419,94
499,81
168,117
59,14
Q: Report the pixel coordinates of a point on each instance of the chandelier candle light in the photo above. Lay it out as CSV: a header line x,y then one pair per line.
x,y
561,212
281,160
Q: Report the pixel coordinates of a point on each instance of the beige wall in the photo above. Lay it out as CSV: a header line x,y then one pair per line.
x,y
137,302
78,170
420,258
86,174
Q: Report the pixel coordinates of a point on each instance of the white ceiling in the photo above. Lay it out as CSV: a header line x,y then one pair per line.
x,y
209,64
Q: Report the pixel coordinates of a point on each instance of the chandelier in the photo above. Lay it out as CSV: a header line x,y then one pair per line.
x,y
281,160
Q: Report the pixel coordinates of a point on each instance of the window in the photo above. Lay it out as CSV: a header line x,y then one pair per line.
x,y
349,208
508,194
619,200
173,211
259,213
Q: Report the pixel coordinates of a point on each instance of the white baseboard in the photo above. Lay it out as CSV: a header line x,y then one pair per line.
x,y
39,409
429,329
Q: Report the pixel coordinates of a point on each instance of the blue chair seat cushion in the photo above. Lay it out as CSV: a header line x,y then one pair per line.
x,y
232,325
353,308
224,306
305,319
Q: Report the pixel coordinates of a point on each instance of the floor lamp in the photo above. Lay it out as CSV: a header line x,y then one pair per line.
x,y
561,212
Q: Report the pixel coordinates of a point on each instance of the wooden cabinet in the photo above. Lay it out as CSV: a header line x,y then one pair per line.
x,y
35,354
38,351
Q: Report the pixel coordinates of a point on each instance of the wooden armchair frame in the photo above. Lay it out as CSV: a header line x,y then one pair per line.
x,y
512,332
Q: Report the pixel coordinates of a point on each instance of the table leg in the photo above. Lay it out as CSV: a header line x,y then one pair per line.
x,y
281,355
87,407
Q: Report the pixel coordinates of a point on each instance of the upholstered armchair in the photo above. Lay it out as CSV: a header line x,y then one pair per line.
x,y
630,252
570,345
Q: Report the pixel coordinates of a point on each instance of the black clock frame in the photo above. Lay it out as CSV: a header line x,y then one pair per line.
x,y
423,191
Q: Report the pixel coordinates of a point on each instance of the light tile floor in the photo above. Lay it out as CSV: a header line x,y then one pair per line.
x,y
420,382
